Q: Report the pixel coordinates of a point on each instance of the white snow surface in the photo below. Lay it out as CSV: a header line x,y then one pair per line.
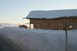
x,y
41,40
52,13
2,25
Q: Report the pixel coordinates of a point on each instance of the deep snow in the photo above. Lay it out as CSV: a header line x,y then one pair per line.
x,y
41,40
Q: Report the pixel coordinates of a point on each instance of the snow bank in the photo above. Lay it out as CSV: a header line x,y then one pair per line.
x,y
41,40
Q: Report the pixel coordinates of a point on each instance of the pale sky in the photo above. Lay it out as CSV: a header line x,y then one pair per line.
x,y
13,11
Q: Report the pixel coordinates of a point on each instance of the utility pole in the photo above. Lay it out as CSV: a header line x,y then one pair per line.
x,y
66,37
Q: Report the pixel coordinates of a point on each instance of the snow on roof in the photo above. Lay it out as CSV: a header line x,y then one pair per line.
x,y
52,13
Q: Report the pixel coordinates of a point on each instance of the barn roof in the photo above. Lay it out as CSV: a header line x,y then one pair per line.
x,y
52,13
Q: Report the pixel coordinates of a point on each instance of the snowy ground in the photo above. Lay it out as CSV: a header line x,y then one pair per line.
x,y
41,40
2,25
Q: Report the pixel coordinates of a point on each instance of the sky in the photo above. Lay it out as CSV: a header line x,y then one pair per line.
x,y
13,11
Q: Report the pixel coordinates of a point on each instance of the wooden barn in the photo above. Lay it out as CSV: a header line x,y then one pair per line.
x,y
53,19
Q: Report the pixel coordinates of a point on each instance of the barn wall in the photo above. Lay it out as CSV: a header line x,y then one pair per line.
x,y
54,24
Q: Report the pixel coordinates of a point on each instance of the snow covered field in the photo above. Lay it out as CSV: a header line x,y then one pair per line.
x,y
41,40
2,25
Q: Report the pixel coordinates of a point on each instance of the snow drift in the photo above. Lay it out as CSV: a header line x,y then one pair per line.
x,y
41,40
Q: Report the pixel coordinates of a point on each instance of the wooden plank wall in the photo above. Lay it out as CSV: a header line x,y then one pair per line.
x,y
54,24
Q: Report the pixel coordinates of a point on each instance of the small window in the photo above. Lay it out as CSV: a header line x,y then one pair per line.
x,y
60,26
51,26
44,26
37,26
